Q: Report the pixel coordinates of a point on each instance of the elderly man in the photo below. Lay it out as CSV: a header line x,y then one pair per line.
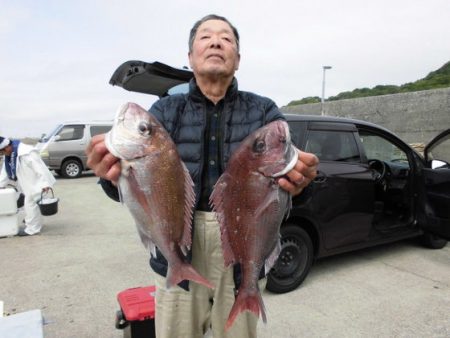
x,y
210,121
24,169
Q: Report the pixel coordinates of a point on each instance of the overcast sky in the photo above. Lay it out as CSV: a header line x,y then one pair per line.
x,y
56,57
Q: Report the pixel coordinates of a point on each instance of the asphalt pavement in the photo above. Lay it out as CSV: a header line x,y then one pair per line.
x,y
90,251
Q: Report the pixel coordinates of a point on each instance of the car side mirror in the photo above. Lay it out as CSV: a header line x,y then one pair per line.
x,y
435,164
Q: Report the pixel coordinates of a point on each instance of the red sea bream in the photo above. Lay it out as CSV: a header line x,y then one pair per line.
x,y
250,207
156,187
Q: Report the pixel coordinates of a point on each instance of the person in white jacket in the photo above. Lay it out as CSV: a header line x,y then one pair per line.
x,y
24,169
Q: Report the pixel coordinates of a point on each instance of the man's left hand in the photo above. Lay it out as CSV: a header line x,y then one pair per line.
x,y
301,175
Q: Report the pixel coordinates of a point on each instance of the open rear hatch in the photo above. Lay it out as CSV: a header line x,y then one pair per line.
x,y
150,78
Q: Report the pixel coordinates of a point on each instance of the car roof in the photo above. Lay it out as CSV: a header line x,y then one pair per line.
x,y
332,119
95,122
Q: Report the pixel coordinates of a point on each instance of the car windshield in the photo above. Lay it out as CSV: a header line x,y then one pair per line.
x,y
46,137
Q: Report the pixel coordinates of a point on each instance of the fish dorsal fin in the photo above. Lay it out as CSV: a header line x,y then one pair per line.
x,y
218,206
188,210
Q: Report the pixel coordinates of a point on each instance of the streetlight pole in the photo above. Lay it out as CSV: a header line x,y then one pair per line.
x,y
323,88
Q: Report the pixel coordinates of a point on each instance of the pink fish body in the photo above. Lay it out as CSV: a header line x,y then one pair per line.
x,y
250,207
156,187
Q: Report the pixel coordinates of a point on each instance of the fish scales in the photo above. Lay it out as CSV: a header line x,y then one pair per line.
x,y
250,206
156,187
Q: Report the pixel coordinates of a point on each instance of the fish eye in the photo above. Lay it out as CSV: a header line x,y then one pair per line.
x,y
144,128
259,146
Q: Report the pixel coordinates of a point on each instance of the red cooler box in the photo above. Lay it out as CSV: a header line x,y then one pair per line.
x,y
136,316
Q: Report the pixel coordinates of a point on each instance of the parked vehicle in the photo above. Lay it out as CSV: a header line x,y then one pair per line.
x,y
63,150
371,188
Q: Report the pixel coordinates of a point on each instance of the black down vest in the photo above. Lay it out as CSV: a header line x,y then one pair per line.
x,y
184,117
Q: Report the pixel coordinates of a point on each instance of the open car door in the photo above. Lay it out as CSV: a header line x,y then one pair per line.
x,y
154,78
437,185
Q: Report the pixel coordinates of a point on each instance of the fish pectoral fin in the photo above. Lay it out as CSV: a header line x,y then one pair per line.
x,y
270,261
217,202
270,201
185,249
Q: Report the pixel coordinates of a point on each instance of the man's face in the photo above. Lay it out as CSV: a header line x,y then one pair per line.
x,y
214,51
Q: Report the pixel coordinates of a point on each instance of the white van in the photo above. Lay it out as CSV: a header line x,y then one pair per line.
x,y
63,150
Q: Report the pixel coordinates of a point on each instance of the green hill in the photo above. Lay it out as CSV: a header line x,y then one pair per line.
x,y
434,80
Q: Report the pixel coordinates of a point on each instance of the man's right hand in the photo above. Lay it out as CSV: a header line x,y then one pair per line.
x,y
101,161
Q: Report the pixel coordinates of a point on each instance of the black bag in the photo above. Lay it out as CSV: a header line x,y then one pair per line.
x,y
48,206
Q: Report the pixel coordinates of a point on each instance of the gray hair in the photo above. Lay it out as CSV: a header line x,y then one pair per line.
x,y
207,18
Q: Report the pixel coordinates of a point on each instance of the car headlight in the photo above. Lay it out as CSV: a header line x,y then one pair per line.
x,y
44,153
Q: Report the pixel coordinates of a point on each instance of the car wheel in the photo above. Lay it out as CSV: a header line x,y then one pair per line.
x,y
294,262
71,169
432,241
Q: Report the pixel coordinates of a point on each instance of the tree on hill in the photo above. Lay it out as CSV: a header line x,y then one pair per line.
x,y
437,79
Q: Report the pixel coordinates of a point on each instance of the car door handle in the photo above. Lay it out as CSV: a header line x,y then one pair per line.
x,y
321,177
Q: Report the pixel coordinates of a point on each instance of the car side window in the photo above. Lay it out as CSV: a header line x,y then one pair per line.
x,y
298,130
333,145
377,147
71,133
96,130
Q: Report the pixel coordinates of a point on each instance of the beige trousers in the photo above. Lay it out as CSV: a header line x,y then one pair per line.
x,y
193,313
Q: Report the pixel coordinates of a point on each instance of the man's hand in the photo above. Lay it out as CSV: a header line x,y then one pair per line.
x,y
301,175
101,161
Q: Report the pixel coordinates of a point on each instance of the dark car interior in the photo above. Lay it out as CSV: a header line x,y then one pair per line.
x,y
388,163
391,171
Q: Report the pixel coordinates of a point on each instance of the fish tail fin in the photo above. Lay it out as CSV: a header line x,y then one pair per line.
x,y
183,272
247,300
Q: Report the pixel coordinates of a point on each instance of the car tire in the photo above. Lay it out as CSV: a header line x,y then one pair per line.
x,y
294,262
432,241
71,169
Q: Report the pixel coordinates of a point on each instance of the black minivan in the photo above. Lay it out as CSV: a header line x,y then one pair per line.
x,y
371,187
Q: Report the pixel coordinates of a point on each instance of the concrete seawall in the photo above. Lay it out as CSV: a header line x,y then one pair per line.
x,y
414,117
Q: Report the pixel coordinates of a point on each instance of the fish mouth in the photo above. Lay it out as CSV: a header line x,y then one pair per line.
x,y
290,152
110,147
109,137
293,155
